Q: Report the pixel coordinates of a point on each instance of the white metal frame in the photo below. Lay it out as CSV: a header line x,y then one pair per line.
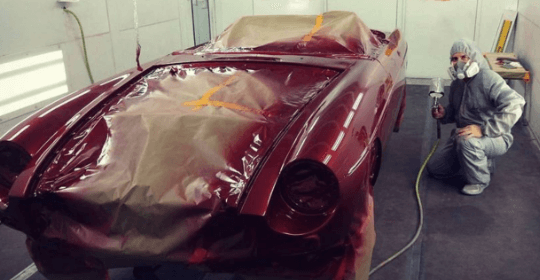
x,y
507,15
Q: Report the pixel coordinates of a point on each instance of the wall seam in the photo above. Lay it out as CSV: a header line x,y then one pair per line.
x,y
91,36
533,23
404,16
152,24
211,19
110,35
193,20
478,15
178,10
397,10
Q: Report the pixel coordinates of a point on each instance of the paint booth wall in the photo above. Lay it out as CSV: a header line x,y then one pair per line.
x,y
527,48
34,26
430,26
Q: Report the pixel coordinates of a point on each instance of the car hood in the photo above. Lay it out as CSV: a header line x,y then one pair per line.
x,y
158,160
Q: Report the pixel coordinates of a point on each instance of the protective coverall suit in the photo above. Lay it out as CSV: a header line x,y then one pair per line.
x,y
484,100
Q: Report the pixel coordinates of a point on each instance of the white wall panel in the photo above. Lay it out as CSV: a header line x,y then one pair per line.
x,y
228,11
520,40
100,57
527,44
489,17
20,35
155,11
379,15
124,50
527,48
33,26
93,16
289,7
156,41
430,29
186,23
400,14
26,27
121,12
160,40
534,104
531,10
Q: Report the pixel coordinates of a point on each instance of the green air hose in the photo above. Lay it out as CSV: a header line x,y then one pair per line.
x,y
391,258
84,45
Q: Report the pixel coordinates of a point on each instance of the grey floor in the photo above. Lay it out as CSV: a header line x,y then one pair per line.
x,y
492,236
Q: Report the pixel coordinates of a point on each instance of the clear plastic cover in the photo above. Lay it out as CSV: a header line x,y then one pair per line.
x,y
335,32
151,173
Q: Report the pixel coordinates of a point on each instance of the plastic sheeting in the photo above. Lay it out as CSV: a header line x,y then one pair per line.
x,y
334,32
144,179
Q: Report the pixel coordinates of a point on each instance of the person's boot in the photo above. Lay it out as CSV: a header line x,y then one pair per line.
x,y
473,189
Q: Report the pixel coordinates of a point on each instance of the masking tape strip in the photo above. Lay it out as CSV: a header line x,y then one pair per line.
x,y
205,99
317,27
503,35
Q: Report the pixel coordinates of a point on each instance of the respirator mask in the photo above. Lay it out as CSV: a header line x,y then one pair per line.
x,y
462,70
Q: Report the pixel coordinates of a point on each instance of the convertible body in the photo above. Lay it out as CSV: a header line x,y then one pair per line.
x,y
242,154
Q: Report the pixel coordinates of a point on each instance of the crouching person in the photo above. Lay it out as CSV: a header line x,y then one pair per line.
x,y
484,109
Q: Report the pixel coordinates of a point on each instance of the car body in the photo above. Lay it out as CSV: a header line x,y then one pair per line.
x,y
242,154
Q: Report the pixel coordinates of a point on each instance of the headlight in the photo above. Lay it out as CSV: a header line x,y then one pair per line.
x,y
309,187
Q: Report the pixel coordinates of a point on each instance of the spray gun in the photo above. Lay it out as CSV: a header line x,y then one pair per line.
x,y
436,92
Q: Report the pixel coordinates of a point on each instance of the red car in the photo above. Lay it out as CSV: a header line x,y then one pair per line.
x,y
254,153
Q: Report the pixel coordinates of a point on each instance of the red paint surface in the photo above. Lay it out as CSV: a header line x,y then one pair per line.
x,y
339,126
138,57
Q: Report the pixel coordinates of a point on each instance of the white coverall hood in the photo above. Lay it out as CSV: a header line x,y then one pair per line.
x,y
473,66
471,50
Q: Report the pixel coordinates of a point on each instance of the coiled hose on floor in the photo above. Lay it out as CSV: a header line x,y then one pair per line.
x,y
421,211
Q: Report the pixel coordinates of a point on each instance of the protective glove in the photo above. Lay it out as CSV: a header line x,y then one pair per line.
x,y
438,113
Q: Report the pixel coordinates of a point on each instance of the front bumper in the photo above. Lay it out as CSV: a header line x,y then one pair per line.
x,y
259,253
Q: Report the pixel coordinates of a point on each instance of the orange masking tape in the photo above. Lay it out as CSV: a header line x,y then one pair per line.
x,y
205,99
527,77
394,39
317,27
503,35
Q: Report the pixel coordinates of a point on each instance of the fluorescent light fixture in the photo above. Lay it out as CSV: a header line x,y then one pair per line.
x,y
31,61
36,79
29,101
298,6
28,81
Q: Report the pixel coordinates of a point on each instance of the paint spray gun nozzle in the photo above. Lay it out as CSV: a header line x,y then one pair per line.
x,y
436,91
